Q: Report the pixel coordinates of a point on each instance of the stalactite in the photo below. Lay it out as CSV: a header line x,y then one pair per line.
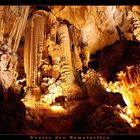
x,y
30,52
13,30
13,23
75,35
1,29
21,27
34,41
85,54
1,22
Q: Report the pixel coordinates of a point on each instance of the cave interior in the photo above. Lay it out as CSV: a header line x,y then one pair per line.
x,y
69,69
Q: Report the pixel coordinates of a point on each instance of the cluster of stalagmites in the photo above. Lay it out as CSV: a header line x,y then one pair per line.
x,y
55,56
57,50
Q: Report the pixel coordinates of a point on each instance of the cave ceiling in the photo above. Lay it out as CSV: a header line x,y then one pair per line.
x,y
97,22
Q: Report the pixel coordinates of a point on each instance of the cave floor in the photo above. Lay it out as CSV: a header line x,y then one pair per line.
x,y
77,117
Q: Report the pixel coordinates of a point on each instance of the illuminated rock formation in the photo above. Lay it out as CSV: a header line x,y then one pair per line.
x,y
128,86
34,42
72,87
51,23
12,24
134,17
79,48
45,37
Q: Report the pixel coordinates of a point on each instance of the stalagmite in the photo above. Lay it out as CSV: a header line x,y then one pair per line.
x,y
121,75
34,42
130,79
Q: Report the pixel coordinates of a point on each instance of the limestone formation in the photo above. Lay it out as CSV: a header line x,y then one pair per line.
x,y
128,86
79,48
134,17
12,23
